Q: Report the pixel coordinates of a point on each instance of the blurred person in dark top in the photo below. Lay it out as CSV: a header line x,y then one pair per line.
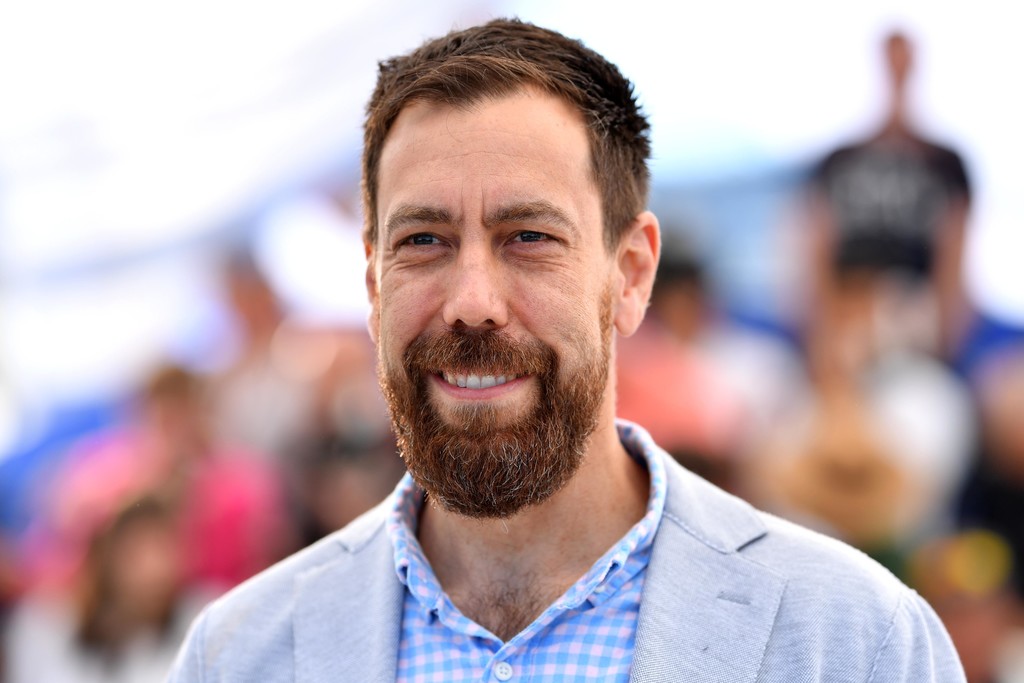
x,y
124,615
232,515
881,446
889,217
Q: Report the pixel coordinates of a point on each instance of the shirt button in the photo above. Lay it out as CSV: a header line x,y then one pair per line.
x,y
503,671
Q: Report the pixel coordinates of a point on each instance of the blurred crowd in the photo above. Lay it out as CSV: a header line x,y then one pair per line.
x,y
890,416
202,481
862,419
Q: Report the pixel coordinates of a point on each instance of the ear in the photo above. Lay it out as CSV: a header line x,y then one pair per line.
x,y
373,320
636,263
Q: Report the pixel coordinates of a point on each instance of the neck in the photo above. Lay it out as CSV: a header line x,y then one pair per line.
x,y
531,558
896,123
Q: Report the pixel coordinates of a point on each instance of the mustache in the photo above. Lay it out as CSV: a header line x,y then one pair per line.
x,y
456,350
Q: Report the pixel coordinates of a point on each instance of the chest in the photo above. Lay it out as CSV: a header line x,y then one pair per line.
x,y
575,635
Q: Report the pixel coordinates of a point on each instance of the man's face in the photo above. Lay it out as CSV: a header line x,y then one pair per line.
x,y
493,299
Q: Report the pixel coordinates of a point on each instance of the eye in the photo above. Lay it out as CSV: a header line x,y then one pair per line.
x,y
423,239
531,236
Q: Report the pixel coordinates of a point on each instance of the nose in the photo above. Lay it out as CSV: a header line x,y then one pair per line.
x,y
476,291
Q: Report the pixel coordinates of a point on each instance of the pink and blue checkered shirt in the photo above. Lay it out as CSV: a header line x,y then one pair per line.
x,y
586,635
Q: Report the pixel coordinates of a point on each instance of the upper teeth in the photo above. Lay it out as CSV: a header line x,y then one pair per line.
x,y
477,381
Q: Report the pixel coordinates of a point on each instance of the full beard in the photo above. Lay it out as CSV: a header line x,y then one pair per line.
x,y
479,463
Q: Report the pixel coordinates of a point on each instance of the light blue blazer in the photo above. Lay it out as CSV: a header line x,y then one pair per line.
x,y
731,595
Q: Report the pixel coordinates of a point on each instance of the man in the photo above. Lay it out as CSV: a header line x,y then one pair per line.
x,y
535,539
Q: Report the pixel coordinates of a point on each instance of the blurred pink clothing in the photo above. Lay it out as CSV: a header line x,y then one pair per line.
x,y
677,394
231,507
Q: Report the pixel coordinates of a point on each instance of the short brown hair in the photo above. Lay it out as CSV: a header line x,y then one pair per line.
x,y
498,59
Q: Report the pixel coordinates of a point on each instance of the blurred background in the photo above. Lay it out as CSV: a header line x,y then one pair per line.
x,y
186,386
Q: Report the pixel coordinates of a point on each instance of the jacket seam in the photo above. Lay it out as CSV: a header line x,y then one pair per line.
x,y
771,631
725,551
888,636
693,532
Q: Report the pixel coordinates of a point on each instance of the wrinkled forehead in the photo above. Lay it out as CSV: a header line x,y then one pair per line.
x,y
528,146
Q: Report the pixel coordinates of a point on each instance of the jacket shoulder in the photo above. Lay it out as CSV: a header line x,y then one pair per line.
x,y
250,629
838,614
844,617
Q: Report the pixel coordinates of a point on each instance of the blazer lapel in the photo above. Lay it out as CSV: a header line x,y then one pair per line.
x,y
348,612
707,612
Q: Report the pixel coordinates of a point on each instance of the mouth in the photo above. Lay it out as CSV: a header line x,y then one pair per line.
x,y
475,381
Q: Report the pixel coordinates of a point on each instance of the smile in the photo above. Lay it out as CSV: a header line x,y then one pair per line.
x,y
471,381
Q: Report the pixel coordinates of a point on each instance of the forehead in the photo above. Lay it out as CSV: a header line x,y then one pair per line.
x,y
525,146
527,110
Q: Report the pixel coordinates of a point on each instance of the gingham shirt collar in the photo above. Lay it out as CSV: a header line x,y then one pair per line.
x,y
598,584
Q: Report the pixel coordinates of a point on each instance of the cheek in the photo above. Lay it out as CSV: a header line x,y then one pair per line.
x,y
403,315
565,313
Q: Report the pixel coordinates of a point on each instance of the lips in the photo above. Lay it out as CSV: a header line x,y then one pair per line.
x,y
475,381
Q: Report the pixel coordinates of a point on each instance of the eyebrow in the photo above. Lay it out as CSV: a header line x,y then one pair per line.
x,y
539,211
416,215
